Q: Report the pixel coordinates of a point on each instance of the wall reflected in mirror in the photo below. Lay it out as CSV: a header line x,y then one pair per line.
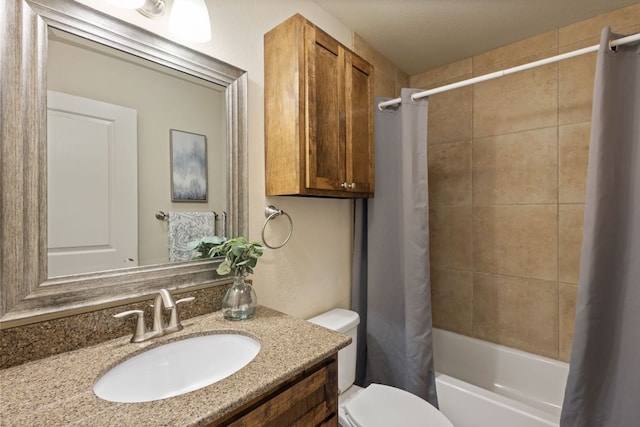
x,y
109,166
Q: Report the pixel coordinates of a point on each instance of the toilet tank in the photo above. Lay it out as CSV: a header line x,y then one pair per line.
x,y
345,322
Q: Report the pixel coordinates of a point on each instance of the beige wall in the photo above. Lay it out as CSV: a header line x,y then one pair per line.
x,y
388,78
507,170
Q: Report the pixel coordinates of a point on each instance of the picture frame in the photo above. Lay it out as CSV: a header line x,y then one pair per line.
x,y
189,174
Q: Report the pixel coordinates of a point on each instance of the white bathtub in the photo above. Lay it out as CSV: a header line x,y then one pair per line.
x,y
483,384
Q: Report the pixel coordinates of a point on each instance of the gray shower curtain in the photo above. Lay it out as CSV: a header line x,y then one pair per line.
x,y
603,387
391,258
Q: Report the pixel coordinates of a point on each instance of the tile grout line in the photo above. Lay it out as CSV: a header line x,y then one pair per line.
x,y
558,202
472,237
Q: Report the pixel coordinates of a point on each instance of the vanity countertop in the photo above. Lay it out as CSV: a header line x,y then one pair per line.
x,y
59,390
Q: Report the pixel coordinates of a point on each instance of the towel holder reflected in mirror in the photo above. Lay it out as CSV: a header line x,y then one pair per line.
x,y
270,213
164,216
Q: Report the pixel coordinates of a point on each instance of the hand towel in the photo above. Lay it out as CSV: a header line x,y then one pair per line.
x,y
184,227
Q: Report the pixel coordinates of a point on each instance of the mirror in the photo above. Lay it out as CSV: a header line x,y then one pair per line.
x,y
27,295
109,155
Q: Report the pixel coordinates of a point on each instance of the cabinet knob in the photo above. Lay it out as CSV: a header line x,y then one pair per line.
x,y
346,186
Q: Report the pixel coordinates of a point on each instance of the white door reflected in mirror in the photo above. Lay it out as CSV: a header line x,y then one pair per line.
x,y
92,175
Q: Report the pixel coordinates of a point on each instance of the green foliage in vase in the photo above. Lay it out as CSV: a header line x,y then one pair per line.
x,y
240,255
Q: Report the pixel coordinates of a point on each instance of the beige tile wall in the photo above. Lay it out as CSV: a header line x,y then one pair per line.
x,y
507,173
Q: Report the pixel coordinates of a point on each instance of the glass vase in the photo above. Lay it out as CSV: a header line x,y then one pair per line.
x,y
240,301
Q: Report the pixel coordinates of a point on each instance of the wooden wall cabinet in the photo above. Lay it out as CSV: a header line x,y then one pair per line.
x,y
309,399
318,114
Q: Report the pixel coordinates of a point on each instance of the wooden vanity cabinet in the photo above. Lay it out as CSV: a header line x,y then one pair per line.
x,y
318,114
309,399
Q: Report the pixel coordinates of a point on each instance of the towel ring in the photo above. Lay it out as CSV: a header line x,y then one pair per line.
x,y
270,213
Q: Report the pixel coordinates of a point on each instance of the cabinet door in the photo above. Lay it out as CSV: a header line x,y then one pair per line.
x,y
359,125
307,400
324,93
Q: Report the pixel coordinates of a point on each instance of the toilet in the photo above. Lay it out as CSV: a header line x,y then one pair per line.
x,y
377,405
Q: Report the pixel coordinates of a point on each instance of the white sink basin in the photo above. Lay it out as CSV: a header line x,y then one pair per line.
x,y
176,368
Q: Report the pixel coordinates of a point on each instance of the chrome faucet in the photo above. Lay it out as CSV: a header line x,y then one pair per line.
x,y
163,299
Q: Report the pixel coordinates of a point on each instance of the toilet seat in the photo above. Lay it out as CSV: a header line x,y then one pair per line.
x,y
383,406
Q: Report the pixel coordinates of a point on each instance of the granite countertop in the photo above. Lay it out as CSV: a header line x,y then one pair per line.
x,y
59,390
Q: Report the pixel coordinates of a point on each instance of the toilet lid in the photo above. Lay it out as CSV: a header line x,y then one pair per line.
x,y
383,406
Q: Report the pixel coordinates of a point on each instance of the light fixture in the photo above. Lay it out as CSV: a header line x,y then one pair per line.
x,y
189,20
152,8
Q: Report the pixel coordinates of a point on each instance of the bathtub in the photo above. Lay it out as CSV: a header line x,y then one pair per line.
x,y
483,384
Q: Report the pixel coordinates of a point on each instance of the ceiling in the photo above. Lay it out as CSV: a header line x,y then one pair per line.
x,y
419,35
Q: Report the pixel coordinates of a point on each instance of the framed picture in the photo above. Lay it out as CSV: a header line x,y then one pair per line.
x,y
188,167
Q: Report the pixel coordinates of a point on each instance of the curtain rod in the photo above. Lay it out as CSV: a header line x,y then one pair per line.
x,y
613,43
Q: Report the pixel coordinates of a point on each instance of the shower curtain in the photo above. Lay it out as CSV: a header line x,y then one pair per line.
x,y
603,387
391,258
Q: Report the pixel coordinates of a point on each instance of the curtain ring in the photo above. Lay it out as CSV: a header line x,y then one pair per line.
x,y
270,213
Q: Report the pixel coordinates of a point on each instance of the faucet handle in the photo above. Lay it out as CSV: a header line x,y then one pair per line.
x,y
174,321
138,334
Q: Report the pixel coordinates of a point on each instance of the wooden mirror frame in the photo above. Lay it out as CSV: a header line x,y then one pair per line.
x,y
26,294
